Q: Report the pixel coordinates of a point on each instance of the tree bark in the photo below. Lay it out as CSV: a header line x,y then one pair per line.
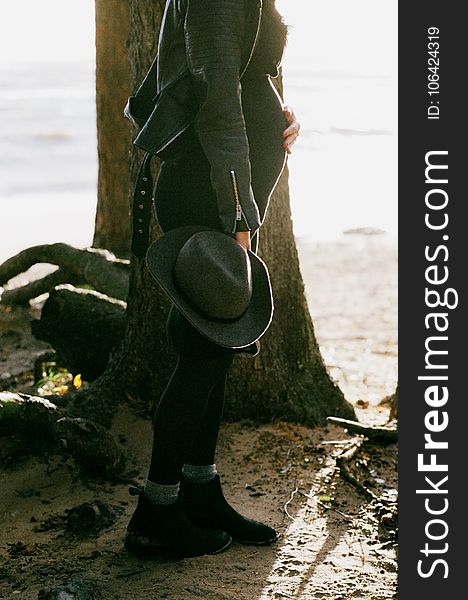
x,y
141,364
288,379
112,227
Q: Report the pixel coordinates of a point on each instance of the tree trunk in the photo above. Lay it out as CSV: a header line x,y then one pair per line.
x,y
112,228
142,363
288,378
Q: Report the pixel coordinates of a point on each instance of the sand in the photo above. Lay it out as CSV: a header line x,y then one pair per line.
x,y
285,474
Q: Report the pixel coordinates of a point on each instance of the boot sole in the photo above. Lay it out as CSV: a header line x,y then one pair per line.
x,y
204,525
146,548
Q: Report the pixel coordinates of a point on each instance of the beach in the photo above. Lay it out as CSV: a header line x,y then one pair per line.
x,y
342,179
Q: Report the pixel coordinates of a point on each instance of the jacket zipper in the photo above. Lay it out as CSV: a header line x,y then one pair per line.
x,y
239,212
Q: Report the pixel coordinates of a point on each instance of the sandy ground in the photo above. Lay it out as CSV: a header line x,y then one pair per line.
x,y
330,545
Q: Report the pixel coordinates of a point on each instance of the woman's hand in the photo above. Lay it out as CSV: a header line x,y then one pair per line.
x,y
291,133
243,238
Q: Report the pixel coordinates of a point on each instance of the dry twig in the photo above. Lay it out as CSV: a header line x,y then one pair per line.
x,y
342,462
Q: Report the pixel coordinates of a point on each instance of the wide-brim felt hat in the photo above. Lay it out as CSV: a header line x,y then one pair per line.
x,y
236,332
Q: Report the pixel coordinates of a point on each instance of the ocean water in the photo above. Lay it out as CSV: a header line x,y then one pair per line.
x,y
339,76
48,155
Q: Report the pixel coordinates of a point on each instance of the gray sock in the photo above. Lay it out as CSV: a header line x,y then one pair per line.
x,y
199,473
157,493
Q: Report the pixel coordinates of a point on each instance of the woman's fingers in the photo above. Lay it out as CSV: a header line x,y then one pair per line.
x,y
289,113
290,136
288,142
292,129
291,133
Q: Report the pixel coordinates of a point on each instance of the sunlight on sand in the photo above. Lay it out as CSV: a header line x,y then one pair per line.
x,y
318,559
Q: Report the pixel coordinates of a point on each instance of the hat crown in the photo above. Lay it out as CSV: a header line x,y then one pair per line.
x,y
213,271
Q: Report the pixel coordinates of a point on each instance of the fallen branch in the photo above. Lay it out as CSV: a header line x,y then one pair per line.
x,y
342,462
385,434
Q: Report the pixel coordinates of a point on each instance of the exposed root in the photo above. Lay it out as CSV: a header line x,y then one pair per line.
x,y
386,434
95,267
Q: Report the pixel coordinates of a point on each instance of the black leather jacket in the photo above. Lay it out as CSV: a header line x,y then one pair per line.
x,y
203,50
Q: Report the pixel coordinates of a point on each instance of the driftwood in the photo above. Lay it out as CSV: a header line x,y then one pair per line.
x,y
83,326
75,589
40,422
385,434
96,267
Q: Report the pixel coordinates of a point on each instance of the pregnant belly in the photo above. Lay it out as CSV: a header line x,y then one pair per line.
x,y
265,123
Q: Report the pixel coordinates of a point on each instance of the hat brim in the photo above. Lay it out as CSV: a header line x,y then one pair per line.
x,y
239,333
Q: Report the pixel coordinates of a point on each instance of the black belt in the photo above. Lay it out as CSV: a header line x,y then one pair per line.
x,y
141,207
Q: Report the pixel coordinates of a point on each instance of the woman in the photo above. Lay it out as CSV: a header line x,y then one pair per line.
x,y
221,176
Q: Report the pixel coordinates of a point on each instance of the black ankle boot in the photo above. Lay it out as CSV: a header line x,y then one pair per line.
x,y
207,507
166,529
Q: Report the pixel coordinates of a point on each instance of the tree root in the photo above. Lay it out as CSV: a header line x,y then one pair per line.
x,y
386,434
43,423
29,416
95,267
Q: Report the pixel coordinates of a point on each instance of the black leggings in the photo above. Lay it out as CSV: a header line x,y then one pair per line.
x,y
188,415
